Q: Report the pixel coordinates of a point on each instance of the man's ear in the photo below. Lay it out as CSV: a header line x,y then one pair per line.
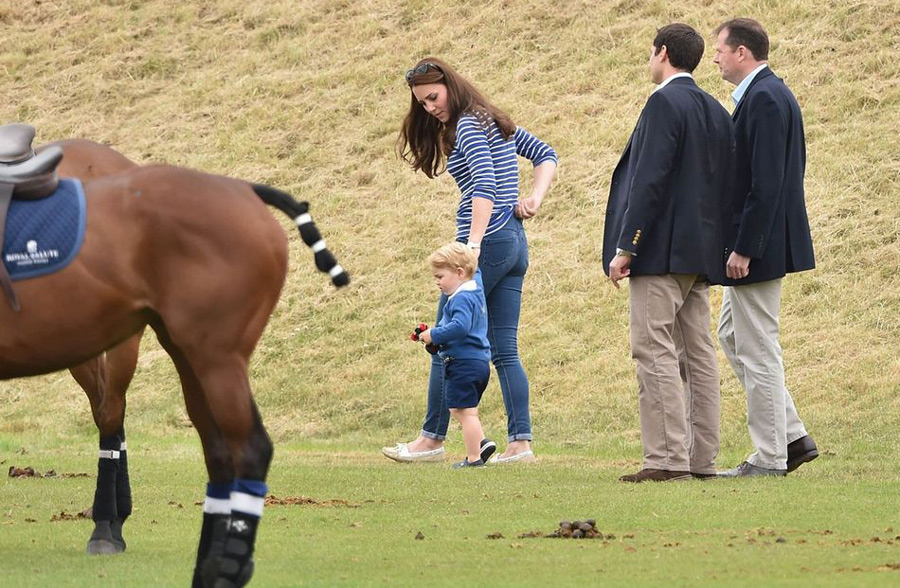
x,y
663,53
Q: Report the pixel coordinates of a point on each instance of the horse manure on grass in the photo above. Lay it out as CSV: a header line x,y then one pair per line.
x,y
64,516
30,472
586,529
272,500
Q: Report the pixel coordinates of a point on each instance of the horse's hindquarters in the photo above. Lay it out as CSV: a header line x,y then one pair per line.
x,y
216,256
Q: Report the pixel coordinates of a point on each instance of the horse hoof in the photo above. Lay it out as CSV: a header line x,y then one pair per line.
x,y
116,529
104,547
103,541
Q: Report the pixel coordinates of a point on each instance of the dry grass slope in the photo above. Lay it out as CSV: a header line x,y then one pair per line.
x,y
308,95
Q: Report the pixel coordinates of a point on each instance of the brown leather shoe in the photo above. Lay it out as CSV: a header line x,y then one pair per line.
x,y
648,475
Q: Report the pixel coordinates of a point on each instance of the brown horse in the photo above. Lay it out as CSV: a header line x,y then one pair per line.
x,y
199,259
105,378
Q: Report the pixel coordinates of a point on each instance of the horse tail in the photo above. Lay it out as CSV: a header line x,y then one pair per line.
x,y
284,202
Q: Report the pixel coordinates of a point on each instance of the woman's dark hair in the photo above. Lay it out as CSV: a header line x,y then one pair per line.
x,y
424,141
749,33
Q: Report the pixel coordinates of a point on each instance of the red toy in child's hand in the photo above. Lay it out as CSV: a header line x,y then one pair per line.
x,y
418,331
414,336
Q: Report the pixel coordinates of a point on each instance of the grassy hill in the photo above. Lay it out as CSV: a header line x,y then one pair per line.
x,y
308,95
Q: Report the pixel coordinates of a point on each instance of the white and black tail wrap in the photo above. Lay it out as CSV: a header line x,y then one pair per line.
x,y
298,211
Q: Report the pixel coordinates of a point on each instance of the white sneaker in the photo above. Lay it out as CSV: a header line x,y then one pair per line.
x,y
401,452
524,457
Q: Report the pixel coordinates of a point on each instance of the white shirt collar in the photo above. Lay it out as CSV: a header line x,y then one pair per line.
x,y
665,82
745,83
467,286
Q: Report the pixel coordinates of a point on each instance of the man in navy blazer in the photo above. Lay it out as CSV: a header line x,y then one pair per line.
x,y
768,237
665,231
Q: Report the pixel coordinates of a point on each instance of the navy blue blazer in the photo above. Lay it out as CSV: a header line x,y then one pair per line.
x,y
669,194
769,222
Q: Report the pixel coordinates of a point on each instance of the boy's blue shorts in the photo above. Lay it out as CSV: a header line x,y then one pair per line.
x,y
465,381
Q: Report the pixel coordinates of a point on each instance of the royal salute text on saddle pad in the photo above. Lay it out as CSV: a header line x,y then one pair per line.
x,y
44,236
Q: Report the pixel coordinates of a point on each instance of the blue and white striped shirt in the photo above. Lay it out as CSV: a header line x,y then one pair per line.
x,y
484,165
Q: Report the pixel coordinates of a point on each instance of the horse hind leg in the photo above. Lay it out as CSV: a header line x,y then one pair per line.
x,y
229,562
225,549
232,566
220,470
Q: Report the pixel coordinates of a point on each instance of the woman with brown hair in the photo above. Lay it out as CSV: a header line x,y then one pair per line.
x,y
451,126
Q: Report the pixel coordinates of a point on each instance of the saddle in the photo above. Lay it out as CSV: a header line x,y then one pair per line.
x,y
24,175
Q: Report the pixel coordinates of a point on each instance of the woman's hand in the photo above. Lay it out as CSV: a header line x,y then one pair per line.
x,y
543,176
528,207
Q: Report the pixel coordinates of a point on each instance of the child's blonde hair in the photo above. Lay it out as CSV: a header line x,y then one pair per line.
x,y
452,256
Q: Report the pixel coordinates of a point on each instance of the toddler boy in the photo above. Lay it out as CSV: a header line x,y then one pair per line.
x,y
461,337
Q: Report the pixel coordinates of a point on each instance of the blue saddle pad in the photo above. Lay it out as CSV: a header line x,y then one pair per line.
x,y
44,236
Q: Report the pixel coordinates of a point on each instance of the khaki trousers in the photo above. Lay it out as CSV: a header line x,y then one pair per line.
x,y
748,331
679,421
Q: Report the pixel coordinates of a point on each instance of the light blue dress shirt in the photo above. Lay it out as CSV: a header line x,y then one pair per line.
x,y
745,83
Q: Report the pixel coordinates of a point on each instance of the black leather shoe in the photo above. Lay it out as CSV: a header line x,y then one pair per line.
x,y
801,451
748,470
697,476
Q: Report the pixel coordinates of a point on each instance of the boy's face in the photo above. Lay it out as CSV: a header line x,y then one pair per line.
x,y
447,279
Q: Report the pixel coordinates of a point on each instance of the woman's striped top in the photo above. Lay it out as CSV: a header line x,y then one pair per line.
x,y
484,165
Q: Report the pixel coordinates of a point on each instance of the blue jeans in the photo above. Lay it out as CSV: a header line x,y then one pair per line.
x,y
501,267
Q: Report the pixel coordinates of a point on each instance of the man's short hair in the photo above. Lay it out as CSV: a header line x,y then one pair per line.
x,y
749,33
683,44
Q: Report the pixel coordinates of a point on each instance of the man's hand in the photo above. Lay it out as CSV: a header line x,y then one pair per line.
x,y
618,268
737,267
425,336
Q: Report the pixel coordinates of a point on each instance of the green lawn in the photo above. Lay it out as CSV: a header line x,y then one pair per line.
x,y
824,526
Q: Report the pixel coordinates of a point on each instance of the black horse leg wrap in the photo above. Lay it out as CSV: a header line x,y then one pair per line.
x,y
105,504
229,560
212,545
123,483
237,559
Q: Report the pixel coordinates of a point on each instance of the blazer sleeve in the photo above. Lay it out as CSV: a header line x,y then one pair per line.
x,y
767,128
655,149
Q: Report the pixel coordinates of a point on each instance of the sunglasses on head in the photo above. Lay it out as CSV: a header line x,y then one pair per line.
x,y
420,69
